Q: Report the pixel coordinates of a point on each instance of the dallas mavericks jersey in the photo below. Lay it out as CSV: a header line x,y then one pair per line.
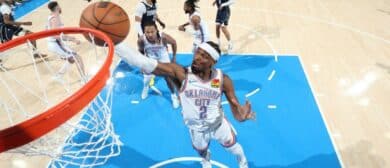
x,y
157,50
201,101
220,2
201,35
149,15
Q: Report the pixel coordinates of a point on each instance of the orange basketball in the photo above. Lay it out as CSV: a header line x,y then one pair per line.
x,y
108,18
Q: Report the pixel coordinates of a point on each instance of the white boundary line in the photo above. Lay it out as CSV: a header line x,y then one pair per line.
x,y
337,150
184,159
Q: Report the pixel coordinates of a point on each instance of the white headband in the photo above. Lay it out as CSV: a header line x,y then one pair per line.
x,y
209,49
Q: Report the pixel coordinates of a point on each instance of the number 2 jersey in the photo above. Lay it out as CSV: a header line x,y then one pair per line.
x,y
201,101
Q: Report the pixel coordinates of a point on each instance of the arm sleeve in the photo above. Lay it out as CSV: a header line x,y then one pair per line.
x,y
135,58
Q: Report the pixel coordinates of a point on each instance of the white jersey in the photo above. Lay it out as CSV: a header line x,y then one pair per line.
x,y
201,35
48,26
201,101
58,46
157,51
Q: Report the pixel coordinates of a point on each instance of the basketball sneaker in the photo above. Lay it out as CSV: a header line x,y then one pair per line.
x,y
230,47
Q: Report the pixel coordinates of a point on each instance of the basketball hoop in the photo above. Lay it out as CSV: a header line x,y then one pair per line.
x,y
58,132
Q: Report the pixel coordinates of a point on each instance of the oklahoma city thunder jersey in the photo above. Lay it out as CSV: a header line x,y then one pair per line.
x,y
201,101
157,50
201,35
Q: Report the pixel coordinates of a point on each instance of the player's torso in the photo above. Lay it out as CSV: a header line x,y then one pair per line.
x,y
150,14
201,101
59,24
201,35
155,50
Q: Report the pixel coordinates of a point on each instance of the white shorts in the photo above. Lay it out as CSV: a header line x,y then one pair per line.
x,y
60,49
224,134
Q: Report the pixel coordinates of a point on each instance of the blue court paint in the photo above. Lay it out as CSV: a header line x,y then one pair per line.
x,y
292,135
27,7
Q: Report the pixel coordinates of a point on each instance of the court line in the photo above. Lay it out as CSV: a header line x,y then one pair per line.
x,y
271,76
252,93
330,133
184,159
315,19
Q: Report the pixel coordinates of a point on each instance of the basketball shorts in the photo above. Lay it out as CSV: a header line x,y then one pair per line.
x,y
60,49
224,134
223,17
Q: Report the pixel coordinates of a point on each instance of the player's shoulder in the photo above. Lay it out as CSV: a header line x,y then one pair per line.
x,y
141,5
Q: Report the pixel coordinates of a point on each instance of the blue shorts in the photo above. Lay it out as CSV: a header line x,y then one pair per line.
x,y
223,16
8,31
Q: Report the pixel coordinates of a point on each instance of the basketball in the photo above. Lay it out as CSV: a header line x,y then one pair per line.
x,y
108,18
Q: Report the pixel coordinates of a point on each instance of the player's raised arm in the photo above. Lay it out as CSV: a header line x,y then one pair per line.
x,y
240,113
135,58
171,41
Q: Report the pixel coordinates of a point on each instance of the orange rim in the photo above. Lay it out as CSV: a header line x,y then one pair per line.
x,y
45,122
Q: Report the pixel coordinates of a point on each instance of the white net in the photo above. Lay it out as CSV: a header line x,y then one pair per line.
x,y
31,84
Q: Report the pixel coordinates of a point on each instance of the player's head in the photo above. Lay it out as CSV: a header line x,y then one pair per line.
x,y
206,55
54,7
151,31
190,6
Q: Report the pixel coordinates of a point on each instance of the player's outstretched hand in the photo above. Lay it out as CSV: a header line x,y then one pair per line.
x,y
182,28
246,112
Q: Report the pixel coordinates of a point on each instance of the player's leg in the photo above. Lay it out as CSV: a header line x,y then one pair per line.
x,y
227,138
224,26
171,85
200,142
218,23
21,32
67,54
145,90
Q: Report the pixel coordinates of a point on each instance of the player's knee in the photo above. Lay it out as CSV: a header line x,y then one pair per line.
x,y
200,147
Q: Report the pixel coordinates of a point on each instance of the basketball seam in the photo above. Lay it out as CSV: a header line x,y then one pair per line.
x,y
100,29
107,12
114,22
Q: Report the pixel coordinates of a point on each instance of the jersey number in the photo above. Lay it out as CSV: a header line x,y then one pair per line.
x,y
203,112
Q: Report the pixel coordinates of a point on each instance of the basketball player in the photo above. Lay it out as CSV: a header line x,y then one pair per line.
x,y
201,33
9,27
222,20
154,45
146,11
201,87
56,43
